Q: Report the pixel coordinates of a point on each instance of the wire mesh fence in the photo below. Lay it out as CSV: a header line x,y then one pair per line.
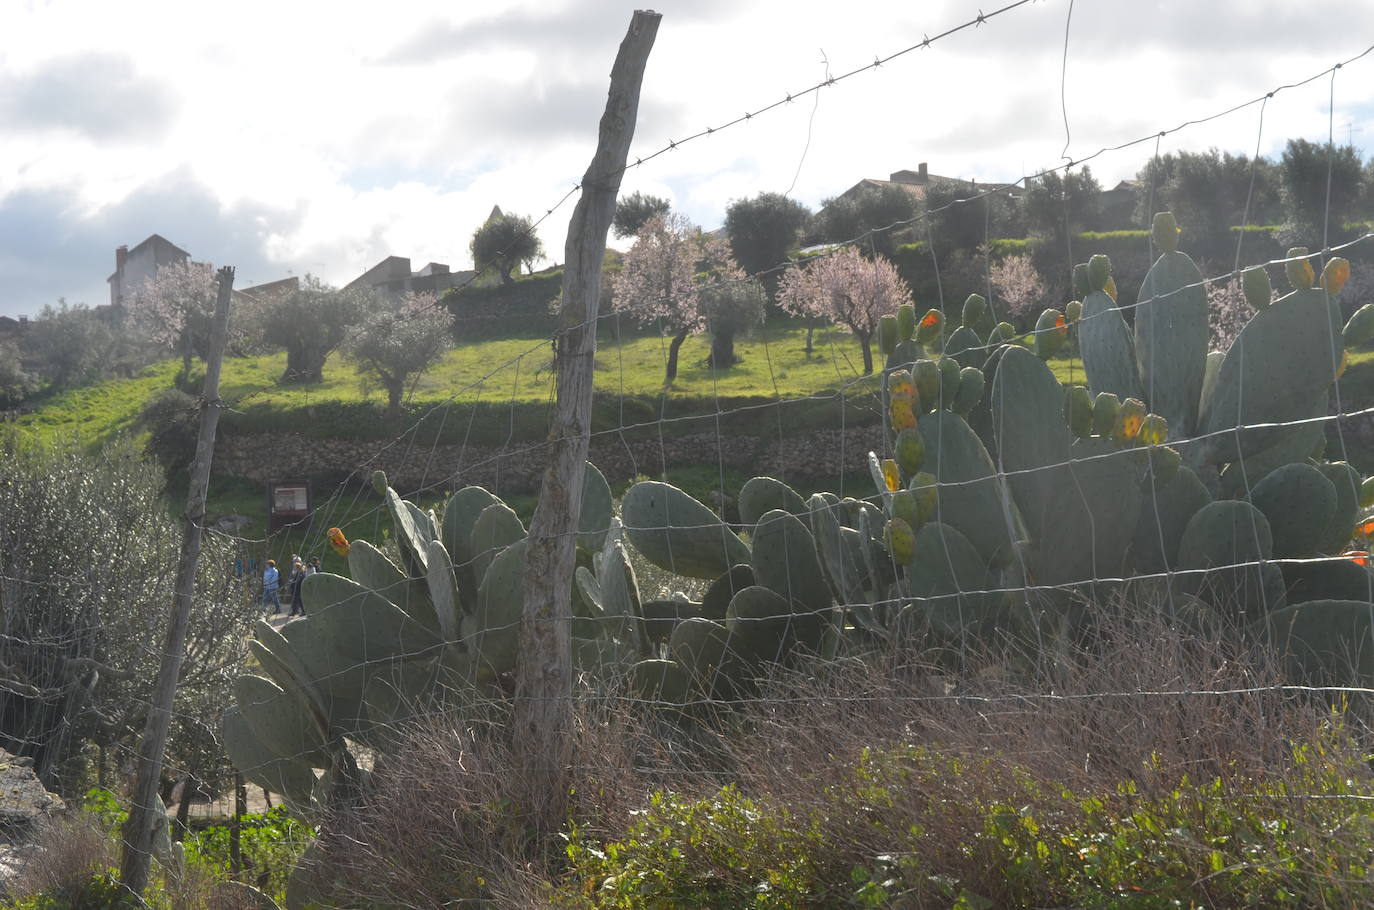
x,y
1038,578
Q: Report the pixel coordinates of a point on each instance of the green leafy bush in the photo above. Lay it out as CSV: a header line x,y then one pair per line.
x,y
270,843
1301,839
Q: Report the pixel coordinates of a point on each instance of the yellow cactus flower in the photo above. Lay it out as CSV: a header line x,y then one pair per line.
x,y
892,476
339,543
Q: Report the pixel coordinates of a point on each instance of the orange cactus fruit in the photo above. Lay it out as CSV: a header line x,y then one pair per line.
x,y
930,326
1359,557
1335,275
1365,528
903,416
338,542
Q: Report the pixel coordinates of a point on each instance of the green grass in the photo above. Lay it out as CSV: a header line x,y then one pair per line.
x,y
492,372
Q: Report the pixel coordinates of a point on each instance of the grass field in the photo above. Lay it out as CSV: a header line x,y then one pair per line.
x,y
773,364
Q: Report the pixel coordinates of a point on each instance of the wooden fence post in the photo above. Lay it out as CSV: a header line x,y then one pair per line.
x,y
143,813
543,690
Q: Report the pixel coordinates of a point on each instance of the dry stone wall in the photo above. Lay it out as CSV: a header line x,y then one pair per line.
x,y
518,467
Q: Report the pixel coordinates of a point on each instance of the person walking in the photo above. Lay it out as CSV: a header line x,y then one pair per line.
x,y
314,565
271,583
295,580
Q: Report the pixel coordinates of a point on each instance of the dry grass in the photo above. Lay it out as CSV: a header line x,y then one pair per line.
x,y
1128,714
70,851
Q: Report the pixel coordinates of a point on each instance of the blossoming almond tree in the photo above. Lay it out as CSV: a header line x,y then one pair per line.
x,y
846,288
666,272
1019,285
173,307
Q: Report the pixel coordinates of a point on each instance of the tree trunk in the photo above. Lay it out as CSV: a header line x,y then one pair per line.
x,y
143,818
673,347
723,350
543,715
395,391
810,332
187,351
302,364
865,342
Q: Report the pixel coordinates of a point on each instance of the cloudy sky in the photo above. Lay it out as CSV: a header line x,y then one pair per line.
x,y
286,137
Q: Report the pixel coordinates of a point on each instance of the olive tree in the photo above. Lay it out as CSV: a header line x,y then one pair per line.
x,y
504,243
310,322
88,554
633,210
762,231
398,340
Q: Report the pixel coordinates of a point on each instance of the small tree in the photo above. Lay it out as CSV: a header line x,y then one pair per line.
x,y
398,340
16,383
846,288
73,346
730,307
762,231
633,210
310,322
663,277
1019,285
505,242
173,307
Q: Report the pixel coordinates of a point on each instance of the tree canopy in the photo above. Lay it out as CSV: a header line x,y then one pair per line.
x,y
846,288
398,340
762,231
504,243
633,210
1303,175
174,306
309,321
665,273
874,216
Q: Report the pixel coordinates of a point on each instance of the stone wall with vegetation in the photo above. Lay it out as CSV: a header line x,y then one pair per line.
x,y
518,467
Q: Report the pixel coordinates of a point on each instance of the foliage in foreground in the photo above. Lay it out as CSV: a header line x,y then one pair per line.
x,y
77,869
1302,840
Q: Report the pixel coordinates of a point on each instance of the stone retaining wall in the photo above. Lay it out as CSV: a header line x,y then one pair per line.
x,y
519,466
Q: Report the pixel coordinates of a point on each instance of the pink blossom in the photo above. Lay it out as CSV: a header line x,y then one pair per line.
x,y
846,288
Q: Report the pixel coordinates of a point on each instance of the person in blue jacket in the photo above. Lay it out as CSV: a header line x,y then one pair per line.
x,y
271,587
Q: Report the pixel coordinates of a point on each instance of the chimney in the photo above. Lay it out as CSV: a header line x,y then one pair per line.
x,y
921,172
121,257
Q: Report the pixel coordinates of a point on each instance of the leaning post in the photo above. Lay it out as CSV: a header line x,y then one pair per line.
x,y
543,689
144,816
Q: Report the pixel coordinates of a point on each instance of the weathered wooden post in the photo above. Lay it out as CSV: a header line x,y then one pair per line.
x,y
543,692
143,813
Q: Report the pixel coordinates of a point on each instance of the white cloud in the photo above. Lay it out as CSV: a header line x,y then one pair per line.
x,y
321,137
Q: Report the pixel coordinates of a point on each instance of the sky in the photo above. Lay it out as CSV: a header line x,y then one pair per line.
x,y
287,137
